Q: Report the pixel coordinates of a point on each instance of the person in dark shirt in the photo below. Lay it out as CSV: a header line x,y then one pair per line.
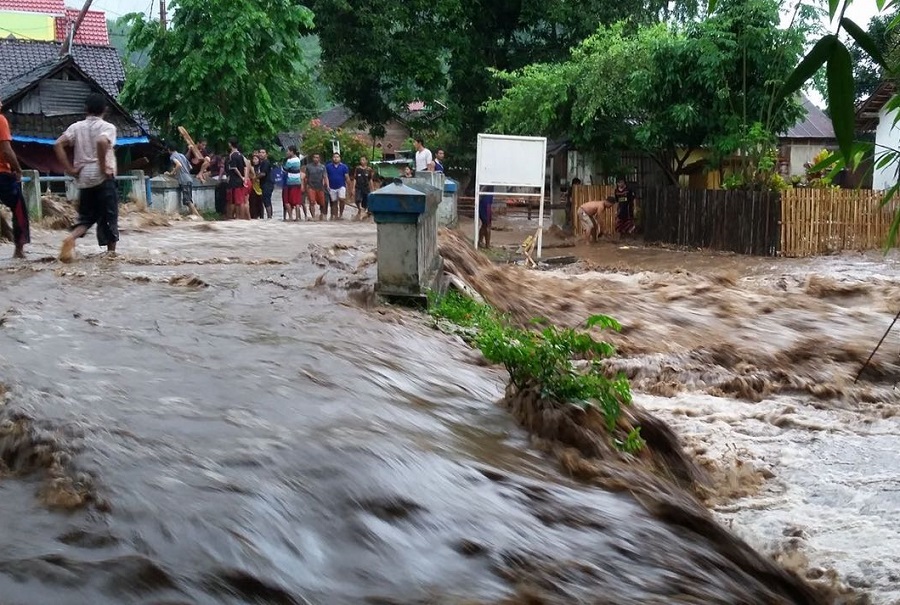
x,y
362,186
485,217
267,179
624,199
238,179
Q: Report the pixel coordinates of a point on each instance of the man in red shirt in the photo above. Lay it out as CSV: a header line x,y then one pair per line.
x,y
11,188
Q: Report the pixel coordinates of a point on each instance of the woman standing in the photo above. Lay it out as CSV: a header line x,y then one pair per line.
x,y
256,200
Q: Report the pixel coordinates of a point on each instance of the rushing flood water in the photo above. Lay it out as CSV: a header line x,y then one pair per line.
x,y
243,426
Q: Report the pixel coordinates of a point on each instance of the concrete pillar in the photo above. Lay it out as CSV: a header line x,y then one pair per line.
x,y
31,190
71,190
139,188
406,219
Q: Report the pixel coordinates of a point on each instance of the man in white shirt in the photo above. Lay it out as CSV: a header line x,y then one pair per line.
x,y
93,140
424,159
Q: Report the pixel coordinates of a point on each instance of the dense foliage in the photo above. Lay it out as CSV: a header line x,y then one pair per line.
x,y
378,56
665,89
223,69
317,138
544,358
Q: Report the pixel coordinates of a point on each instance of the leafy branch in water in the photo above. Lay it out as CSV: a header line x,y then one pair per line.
x,y
563,362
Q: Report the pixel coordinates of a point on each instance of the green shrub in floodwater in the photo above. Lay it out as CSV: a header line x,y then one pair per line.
x,y
545,356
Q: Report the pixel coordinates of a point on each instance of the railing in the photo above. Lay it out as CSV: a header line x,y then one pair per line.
x,y
134,185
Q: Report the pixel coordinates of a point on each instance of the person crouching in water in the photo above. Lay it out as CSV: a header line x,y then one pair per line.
x,y
587,215
292,186
485,215
624,200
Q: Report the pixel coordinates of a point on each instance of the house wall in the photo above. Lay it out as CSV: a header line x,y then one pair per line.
x,y
395,136
803,152
887,136
32,26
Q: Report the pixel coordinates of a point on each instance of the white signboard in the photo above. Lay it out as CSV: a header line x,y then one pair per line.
x,y
511,161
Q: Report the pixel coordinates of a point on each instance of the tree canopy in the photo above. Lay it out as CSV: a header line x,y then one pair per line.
x,y
223,69
378,56
665,89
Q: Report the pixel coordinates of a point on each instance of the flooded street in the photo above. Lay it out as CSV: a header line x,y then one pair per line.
x,y
223,415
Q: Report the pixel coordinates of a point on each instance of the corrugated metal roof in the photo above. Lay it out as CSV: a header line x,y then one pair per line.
x,y
816,125
63,97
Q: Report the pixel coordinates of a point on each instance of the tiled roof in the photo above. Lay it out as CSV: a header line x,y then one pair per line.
x,y
50,127
92,31
48,7
816,125
335,117
102,63
25,80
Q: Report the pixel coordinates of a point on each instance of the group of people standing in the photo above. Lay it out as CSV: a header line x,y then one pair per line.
x,y
92,164
320,191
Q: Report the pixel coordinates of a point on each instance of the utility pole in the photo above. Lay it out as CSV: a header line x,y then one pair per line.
x,y
162,13
66,47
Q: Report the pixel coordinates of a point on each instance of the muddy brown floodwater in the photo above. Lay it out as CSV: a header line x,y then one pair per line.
x,y
222,415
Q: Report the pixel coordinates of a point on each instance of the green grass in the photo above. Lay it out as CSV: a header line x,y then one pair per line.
x,y
543,356
211,215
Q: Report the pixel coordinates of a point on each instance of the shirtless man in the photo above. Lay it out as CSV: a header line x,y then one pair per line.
x,y
588,216
200,160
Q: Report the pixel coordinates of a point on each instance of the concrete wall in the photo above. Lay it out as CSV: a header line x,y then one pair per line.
x,y
165,197
887,136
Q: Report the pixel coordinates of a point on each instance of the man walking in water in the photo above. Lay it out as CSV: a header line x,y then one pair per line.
x,y
316,183
292,187
11,188
337,186
181,172
93,140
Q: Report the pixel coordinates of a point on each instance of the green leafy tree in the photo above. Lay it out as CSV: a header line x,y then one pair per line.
x,y
379,55
223,69
668,90
318,138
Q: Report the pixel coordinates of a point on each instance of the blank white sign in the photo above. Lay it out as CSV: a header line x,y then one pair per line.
x,y
511,161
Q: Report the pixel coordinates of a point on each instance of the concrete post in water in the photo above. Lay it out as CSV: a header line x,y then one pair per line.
x,y
139,189
447,214
406,218
31,191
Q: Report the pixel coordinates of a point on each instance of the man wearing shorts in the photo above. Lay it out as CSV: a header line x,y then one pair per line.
x,y
11,189
181,172
93,141
337,186
292,186
587,214
267,178
362,185
316,183
238,177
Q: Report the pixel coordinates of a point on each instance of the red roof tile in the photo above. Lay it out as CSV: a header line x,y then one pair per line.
x,y
92,31
49,7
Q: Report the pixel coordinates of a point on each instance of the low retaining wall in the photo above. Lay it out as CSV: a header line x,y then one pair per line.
x,y
166,198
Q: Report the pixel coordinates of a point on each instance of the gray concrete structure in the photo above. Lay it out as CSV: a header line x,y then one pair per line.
x,y
406,217
447,212
165,197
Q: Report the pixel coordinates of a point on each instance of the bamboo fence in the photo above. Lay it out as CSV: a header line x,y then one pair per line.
x,y
582,194
825,221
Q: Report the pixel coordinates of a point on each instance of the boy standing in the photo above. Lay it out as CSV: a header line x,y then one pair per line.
x,y
337,186
181,172
292,187
362,185
93,140
316,183
238,178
